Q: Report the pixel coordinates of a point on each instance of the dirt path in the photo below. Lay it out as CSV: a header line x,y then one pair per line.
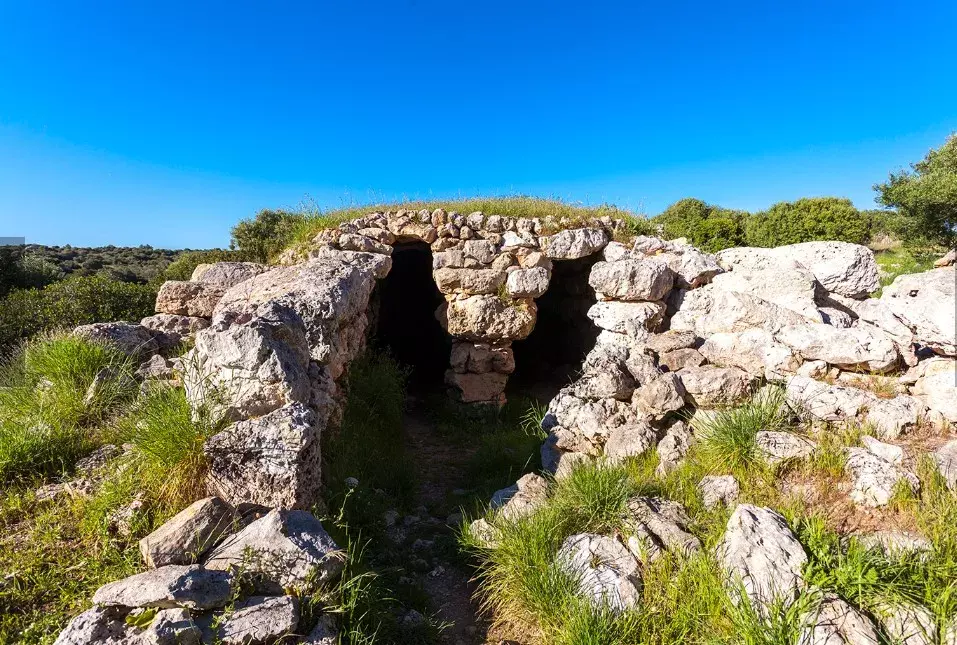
x,y
441,469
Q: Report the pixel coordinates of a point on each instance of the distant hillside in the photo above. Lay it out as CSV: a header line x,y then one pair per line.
x,y
124,263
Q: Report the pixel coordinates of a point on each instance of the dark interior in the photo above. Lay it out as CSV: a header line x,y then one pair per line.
x,y
406,325
551,357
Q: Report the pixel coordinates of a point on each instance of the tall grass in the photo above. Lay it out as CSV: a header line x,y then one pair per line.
x,y
49,406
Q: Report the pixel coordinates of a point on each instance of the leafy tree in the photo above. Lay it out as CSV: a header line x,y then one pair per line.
x,y
182,267
266,234
807,220
926,196
709,227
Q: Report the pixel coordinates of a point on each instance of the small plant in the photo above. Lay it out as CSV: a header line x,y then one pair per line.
x,y
728,436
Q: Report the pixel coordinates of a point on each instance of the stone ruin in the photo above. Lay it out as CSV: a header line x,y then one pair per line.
x,y
643,335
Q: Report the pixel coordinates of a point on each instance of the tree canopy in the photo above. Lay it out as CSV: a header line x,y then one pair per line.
x,y
926,195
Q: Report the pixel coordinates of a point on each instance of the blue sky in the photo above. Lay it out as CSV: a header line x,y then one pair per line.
x,y
127,123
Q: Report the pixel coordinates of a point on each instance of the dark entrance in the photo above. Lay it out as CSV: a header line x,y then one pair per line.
x,y
551,357
407,326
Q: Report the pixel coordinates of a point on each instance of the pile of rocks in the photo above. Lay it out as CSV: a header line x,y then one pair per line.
x,y
218,574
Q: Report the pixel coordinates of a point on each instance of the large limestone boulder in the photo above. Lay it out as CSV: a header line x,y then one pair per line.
x,y
528,283
862,347
760,552
573,244
908,624
655,525
840,267
108,626
273,460
710,310
192,587
709,385
925,302
521,498
182,326
605,573
488,318
875,479
632,279
479,358
188,298
477,388
635,319
189,534
259,620
469,281
793,288
285,549
227,274
774,447
754,350
835,622
127,337
936,386
946,459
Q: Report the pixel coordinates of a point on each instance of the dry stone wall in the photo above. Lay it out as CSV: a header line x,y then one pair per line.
x,y
681,332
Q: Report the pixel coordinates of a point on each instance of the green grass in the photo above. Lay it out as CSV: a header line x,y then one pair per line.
x,y
905,260
47,419
728,435
308,220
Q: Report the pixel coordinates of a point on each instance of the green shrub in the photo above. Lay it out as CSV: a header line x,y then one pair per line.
x,y
261,237
926,196
807,220
708,227
71,302
47,405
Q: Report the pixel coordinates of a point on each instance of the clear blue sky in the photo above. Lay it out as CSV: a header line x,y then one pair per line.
x,y
166,122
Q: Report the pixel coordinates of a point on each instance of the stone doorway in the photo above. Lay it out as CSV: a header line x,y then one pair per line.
x,y
552,355
407,326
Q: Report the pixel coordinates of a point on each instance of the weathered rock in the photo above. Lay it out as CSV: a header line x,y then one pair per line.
x,y
895,543
171,627
378,234
718,489
755,351
908,624
834,622
527,283
824,402
182,326
521,498
187,536
573,244
886,451
708,386
356,242
679,359
481,250
775,447
692,267
655,525
188,298
605,573
171,586
469,281
100,625
840,267
862,347
607,380
660,396
671,340
760,552
272,460
925,303
936,386
708,311
155,367
479,358
673,447
129,338
226,274
287,549
324,633
259,620
629,440
874,478
947,260
793,288
632,279
477,388
488,319
946,460
635,319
